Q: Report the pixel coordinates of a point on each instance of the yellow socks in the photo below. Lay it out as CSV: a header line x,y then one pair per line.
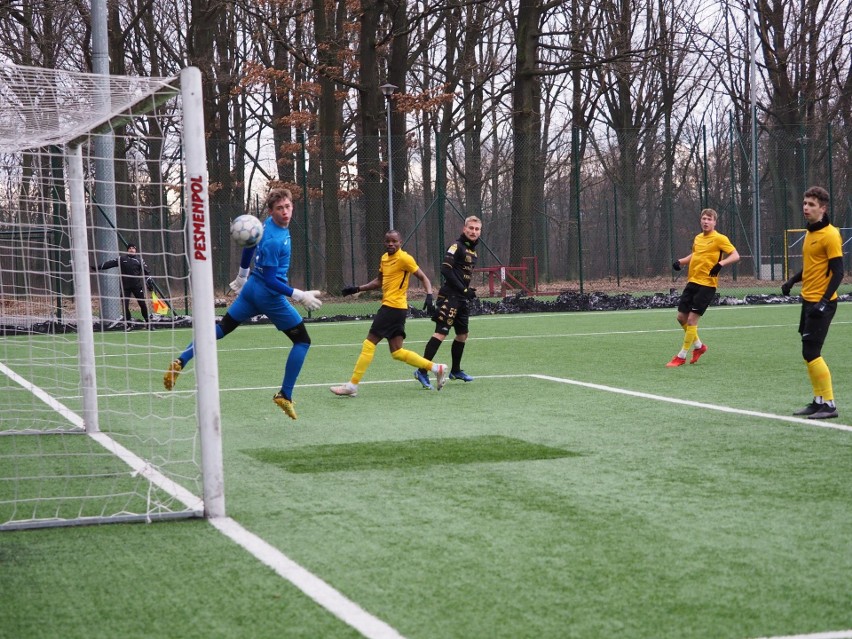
x,y
368,350
411,358
690,334
821,379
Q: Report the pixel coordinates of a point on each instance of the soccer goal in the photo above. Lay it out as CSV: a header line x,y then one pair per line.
x,y
89,165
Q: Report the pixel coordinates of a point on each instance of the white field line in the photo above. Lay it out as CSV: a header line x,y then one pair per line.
x,y
314,587
56,405
325,595
686,402
835,634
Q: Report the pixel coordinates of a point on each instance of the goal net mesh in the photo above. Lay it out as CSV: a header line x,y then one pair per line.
x,y
142,461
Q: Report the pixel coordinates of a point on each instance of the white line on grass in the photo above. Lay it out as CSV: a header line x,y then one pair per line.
x,y
835,634
687,402
314,587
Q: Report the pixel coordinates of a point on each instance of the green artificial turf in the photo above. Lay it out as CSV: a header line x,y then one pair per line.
x,y
522,504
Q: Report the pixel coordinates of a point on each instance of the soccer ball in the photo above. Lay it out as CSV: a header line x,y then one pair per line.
x,y
246,230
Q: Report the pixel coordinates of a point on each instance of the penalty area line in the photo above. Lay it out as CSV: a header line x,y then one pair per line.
x,y
694,404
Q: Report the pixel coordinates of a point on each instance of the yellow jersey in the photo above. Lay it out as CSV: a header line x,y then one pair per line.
x,y
396,273
707,250
820,246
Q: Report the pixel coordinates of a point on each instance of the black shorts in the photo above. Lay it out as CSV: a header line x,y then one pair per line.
x,y
695,298
815,329
389,322
452,312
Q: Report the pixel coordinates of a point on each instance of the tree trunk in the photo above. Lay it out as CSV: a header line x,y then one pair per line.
x,y
526,118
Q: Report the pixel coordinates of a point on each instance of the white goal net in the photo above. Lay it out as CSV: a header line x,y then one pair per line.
x,y
100,177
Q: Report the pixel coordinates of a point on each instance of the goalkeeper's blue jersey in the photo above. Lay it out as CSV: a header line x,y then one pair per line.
x,y
273,250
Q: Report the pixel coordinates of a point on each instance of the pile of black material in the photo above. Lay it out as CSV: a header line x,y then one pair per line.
x,y
566,301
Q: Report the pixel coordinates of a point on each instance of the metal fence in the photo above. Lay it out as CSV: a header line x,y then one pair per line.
x,y
620,226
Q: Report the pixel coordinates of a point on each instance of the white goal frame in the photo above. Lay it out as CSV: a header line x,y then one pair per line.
x,y
82,126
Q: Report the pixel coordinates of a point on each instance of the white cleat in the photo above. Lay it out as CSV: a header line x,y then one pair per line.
x,y
344,390
441,376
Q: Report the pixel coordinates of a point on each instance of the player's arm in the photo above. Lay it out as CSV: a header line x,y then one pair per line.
x,y
428,303
308,299
420,275
681,262
732,258
107,265
243,273
372,285
451,277
835,265
794,279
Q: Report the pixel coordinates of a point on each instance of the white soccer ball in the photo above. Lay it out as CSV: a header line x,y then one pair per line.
x,y
246,230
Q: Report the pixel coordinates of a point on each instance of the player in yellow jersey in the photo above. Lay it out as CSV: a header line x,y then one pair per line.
x,y
710,252
395,271
822,271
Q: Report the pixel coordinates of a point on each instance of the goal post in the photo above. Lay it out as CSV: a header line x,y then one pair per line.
x,y
88,434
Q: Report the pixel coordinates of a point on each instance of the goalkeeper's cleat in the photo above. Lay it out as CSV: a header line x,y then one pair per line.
x,y
287,405
810,409
344,390
462,376
441,376
676,361
825,412
698,352
172,373
423,378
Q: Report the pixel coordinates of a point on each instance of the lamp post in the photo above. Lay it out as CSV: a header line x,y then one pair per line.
x,y
387,90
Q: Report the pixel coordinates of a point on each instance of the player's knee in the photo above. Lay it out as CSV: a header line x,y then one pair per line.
x,y
398,354
299,334
227,324
811,351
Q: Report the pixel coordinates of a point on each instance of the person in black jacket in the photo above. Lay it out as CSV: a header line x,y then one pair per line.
x,y
454,297
134,278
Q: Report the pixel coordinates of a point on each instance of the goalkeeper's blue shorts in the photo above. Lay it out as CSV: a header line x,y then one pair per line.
x,y
256,299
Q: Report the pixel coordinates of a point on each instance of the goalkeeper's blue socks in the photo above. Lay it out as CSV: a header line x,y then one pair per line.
x,y
189,353
295,360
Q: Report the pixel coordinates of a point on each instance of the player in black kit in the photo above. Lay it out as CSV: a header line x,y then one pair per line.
x,y
451,306
134,277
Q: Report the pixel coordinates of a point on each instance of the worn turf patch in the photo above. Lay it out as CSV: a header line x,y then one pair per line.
x,y
405,454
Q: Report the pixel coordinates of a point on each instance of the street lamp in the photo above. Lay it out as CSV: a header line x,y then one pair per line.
x,y
387,90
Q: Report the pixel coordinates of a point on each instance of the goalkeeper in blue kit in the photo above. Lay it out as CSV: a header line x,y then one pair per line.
x,y
265,290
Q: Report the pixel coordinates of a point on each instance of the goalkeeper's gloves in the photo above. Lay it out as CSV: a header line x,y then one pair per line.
x,y
786,287
239,282
349,290
676,265
429,304
818,309
308,299
470,293
715,270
